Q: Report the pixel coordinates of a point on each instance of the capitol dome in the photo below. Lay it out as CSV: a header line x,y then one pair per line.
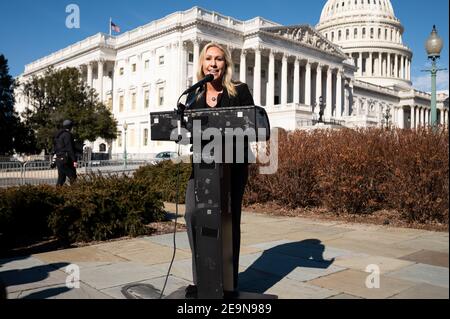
x,y
369,32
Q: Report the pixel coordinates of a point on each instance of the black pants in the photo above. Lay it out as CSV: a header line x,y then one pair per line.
x,y
64,171
239,176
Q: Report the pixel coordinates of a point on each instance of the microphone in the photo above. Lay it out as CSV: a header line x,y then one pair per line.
x,y
206,79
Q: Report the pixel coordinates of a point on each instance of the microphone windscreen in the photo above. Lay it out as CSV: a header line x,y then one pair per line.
x,y
209,77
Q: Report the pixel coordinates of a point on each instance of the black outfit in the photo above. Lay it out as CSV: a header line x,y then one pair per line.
x,y
64,149
239,176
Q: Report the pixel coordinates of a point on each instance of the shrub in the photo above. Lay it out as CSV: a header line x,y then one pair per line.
x,y
360,171
101,207
164,177
95,208
24,212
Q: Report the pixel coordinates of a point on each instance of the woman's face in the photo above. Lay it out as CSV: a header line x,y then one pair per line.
x,y
214,63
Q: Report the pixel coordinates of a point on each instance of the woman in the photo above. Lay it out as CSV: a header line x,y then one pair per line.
x,y
221,92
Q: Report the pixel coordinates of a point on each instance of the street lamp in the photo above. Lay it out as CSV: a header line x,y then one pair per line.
x,y
125,126
434,47
386,117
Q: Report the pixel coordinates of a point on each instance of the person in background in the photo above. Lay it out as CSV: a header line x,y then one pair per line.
x,y
64,150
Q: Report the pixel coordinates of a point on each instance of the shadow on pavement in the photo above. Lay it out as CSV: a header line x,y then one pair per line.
x,y
306,253
17,277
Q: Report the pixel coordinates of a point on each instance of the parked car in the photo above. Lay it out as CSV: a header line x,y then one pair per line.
x,y
164,156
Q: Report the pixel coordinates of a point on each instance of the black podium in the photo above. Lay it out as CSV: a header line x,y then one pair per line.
x,y
213,240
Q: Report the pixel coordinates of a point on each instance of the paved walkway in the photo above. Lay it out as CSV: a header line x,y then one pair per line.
x,y
293,258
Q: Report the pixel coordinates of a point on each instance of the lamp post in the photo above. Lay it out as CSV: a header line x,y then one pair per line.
x,y
433,46
386,117
125,126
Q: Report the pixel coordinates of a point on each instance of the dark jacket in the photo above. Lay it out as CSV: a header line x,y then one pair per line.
x,y
63,144
242,98
197,100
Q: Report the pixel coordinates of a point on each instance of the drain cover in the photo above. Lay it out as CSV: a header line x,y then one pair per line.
x,y
141,291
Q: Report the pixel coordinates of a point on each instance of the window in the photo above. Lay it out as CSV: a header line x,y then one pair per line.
x,y
191,57
133,101
249,70
147,64
133,67
364,33
237,68
132,138
161,96
371,33
121,71
161,60
147,99
355,33
339,35
263,74
121,103
145,139
347,34
102,147
119,139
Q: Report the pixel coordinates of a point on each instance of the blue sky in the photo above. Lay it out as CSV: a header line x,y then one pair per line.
x,y
30,29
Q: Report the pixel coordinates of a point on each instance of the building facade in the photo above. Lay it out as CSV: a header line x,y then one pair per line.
x,y
289,70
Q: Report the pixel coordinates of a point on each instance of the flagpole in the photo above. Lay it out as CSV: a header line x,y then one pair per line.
x,y
110,21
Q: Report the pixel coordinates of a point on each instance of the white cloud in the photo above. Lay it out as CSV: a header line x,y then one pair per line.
x,y
423,82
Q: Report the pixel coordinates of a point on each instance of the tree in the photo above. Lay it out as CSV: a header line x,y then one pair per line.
x,y
14,135
60,95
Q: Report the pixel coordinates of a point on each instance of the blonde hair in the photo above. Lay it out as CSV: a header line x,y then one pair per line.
x,y
226,79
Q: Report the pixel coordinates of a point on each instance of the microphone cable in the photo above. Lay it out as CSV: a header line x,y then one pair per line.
x,y
176,207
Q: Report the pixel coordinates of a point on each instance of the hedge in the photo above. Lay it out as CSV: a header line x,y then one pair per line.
x,y
95,208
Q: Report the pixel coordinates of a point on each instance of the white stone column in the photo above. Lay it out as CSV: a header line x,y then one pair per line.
x,y
409,69
318,87
360,59
89,74
369,63
257,77
182,52
441,111
421,117
243,67
389,68
284,90
100,79
413,118
196,43
395,66
329,94
271,83
402,67
296,81
380,64
308,83
401,116
426,117
338,94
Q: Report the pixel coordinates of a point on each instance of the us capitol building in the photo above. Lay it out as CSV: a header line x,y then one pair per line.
x,y
353,60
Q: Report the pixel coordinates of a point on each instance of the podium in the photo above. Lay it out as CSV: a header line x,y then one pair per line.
x,y
213,231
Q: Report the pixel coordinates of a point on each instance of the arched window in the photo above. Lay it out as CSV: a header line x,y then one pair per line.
x,y
102,147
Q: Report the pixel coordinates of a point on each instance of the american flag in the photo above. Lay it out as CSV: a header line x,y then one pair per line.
x,y
115,27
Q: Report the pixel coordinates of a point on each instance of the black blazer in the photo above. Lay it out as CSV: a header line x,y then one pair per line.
x,y
197,100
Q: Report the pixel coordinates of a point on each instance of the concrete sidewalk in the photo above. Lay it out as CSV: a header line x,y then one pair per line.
x,y
294,258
